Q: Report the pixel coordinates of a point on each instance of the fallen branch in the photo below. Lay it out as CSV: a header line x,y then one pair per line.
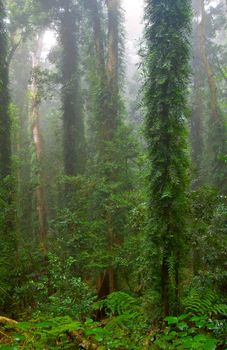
x,y
83,343
9,321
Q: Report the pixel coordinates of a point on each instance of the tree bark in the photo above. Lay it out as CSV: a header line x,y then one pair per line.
x,y
113,40
107,118
113,61
73,128
5,125
98,35
37,140
196,120
209,71
217,130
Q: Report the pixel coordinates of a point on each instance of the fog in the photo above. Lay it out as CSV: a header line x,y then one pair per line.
x,y
133,27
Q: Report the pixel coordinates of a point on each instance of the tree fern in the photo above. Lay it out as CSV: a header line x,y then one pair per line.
x,y
205,304
119,303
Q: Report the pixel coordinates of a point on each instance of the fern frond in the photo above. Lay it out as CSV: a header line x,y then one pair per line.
x,y
204,304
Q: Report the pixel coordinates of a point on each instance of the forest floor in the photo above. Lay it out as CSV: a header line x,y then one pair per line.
x,y
118,332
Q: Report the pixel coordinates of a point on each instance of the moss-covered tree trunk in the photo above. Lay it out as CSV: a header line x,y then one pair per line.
x,y
5,146
73,127
107,122
167,34
7,238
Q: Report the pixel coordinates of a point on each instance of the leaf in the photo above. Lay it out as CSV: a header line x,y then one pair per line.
x,y
210,344
171,320
95,331
182,326
183,317
24,325
200,338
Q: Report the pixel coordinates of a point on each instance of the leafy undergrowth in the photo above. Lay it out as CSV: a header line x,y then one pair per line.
x,y
125,327
117,332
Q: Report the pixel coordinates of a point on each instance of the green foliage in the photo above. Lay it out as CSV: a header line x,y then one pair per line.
x,y
68,294
166,77
118,332
126,324
103,221
204,304
190,332
118,303
51,333
25,17
54,290
208,228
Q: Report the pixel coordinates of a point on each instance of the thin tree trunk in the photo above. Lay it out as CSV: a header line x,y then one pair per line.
x,y
113,64
209,71
112,117
5,125
165,287
196,120
37,139
217,129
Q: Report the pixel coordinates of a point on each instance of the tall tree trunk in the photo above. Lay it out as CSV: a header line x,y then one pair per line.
x,y
73,139
113,62
167,67
5,144
98,35
196,120
209,71
37,139
107,117
217,134
21,70
8,244
113,40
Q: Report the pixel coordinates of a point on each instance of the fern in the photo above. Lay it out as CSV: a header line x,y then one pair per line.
x,y
204,304
119,303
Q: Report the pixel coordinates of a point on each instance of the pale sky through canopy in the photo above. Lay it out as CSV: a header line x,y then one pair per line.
x,y
133,16
133,10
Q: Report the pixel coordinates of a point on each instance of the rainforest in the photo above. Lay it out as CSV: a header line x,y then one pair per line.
x,y
113,174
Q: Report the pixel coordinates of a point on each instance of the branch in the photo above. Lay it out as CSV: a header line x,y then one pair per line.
x,y
13,50
23,37
218,63
5,320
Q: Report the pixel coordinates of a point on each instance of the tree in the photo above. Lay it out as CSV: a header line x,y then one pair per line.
x,y
73,139
7,239
197,121
111,141
216,144
5,146
167,35
36,98
66,16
